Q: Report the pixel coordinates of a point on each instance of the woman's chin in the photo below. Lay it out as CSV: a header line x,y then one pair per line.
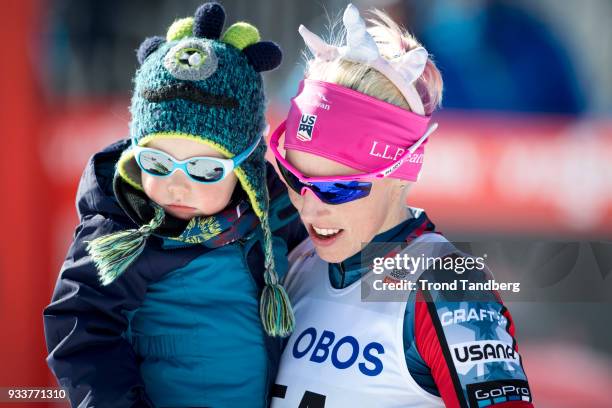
x,y
332,254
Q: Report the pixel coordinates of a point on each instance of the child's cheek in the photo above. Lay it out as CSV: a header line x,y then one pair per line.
x,y
215,197
153,187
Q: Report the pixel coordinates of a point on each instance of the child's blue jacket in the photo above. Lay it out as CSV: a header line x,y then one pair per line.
x,y
180,327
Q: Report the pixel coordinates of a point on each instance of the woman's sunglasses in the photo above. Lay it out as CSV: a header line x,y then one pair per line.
x,y
338,189
330,192
206,170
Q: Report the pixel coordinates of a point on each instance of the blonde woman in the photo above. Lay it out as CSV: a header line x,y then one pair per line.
x,y
353,145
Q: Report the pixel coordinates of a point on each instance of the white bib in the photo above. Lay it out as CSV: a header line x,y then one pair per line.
x,y
345,352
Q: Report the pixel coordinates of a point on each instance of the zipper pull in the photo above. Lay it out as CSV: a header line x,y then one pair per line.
x,y
342,274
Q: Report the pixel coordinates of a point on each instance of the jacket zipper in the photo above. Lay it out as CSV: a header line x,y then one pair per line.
x,y
342,275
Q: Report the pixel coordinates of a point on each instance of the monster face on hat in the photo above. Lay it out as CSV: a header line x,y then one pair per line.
x,y
202,85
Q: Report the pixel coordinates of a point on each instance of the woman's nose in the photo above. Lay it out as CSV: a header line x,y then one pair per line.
x,y
311,206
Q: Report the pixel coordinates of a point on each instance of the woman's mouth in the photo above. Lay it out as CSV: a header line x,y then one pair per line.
x,y
324,236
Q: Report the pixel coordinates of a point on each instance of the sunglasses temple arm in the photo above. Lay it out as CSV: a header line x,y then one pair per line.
x,y
244,155
386,172
429,131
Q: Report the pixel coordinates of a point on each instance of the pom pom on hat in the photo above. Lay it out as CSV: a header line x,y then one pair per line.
x,y
147,47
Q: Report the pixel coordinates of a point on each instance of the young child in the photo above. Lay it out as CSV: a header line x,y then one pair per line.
x,y
182,229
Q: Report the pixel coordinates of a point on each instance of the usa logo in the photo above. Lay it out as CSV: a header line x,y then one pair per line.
x,y
307,123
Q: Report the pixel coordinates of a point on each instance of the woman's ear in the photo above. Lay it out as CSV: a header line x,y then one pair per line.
x,y
399,190
404,189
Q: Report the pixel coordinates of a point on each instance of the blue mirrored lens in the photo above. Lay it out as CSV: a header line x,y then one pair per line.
x,y
330,192
341,192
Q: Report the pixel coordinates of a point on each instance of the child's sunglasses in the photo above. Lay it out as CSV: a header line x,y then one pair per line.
x,y
338,189
206,170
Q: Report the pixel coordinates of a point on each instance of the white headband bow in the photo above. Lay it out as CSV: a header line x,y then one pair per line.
x,y
360,47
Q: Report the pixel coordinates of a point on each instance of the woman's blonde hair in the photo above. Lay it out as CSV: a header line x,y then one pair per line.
x,y
392,41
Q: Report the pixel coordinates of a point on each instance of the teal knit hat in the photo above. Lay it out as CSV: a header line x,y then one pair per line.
x,y
200,85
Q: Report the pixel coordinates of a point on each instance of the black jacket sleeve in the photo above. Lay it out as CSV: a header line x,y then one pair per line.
x,y
84,325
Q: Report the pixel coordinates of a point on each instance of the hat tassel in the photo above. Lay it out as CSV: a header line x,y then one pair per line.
x,y
113,253
275,308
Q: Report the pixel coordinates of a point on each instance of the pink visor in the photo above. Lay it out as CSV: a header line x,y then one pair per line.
x,y
355,129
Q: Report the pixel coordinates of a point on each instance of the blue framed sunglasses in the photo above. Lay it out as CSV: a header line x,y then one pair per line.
x,y
206,170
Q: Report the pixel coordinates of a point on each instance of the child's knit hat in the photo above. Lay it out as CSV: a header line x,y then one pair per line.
x,y
199,84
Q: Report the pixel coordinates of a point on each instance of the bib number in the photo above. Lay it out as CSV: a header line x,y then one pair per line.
x,y
309,399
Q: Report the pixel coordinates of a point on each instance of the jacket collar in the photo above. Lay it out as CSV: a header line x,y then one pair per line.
x,y
345,273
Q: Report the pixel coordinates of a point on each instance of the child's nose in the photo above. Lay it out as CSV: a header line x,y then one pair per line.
x,y
178,183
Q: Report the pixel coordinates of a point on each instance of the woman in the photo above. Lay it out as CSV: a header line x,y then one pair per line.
x,y
354,141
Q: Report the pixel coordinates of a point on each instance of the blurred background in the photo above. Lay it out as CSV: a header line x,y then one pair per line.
x,y
524,149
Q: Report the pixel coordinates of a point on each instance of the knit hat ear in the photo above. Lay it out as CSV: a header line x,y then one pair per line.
x,y
208,21
240,35
147,47
264,55
181,28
